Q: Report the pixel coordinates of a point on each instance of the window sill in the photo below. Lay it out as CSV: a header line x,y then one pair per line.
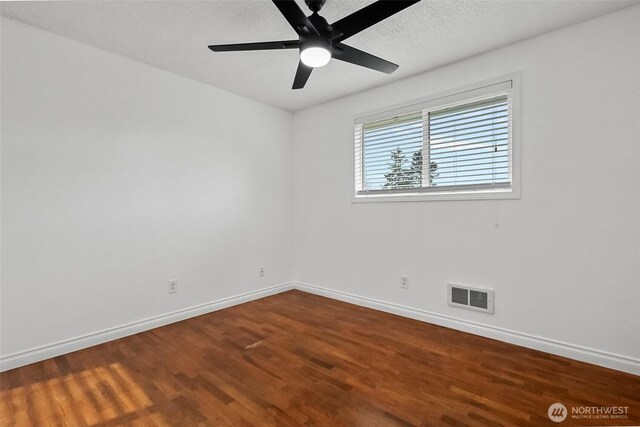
x,y
441,196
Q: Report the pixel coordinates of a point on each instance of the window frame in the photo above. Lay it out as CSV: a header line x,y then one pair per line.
x,y
435,102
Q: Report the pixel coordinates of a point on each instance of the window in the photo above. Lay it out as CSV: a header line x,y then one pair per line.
x,y
455,146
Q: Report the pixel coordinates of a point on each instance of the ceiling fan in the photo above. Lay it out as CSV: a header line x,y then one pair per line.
x,y
320,41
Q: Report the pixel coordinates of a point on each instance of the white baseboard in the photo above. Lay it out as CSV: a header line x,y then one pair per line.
x,y
584,354
47,351
572,351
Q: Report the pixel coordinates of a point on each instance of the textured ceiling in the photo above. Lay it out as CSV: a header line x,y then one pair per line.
x,y
174,36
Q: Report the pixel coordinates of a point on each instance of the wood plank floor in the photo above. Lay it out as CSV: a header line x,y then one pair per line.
x,y
300,359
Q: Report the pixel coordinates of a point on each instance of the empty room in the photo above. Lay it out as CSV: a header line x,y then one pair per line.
x,y
320,212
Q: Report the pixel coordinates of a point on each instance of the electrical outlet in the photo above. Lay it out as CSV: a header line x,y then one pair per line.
x,y
261,272
173,287
404,282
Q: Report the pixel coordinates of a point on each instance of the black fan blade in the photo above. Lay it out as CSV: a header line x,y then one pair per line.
x,y
366,17
295,16
354,56
283,44
302,75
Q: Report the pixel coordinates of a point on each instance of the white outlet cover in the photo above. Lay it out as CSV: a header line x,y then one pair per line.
x,y
173,287
404,282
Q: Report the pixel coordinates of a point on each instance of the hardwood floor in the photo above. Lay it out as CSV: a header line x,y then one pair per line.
x,y
300,359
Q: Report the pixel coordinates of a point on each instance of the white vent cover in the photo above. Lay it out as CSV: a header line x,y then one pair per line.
x,y
471,298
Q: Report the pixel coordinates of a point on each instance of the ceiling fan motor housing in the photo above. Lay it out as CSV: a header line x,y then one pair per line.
x,y
314,41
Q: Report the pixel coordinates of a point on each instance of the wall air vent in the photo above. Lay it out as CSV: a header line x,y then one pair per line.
x,y
471,298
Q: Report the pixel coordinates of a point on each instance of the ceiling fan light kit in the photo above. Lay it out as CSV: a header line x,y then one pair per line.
x,y
315,56
315,52
319,41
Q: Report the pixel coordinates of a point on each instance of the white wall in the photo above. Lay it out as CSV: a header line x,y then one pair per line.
x,y
117,177
565,258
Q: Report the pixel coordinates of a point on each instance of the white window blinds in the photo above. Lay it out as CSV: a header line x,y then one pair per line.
x,y
438,146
